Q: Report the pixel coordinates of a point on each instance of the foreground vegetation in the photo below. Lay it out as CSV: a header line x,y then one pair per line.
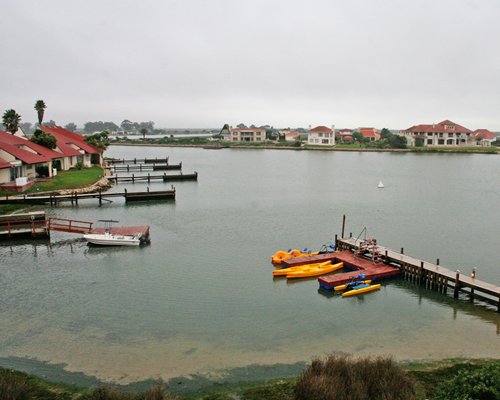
x,y
333,378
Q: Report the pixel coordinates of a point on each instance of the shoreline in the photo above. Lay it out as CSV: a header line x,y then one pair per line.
x,y
420,150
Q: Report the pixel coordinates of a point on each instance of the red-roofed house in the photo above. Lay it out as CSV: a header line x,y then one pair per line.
x,y
321,135
21,158
74,147
484,137
372,134
446,133
290,136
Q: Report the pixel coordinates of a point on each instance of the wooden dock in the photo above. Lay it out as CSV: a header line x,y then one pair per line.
x,y
137,161
143,167
432,276
74,198
32,225
148,178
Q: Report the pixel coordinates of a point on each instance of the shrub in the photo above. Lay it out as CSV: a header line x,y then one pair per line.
x,y
14,387
340,377
482,383
79,165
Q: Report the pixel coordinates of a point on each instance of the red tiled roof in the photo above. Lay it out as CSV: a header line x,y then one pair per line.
x,y
67,138
484,134
25,156
369,132
4,164
320,129
17,141
442,127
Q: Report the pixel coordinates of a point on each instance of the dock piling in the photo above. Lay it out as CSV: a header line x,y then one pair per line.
x,y
457,284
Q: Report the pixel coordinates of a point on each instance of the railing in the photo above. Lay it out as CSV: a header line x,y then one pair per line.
x,y
27,225
69,225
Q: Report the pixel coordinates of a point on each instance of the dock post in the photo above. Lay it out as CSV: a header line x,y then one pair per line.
x,y
343,227
125,191
350,234
128,168
135,160
421,273
473,276
336,240
149,178
437,261
402,250
164,177
76,198
100,197
133,178
457,284
180,164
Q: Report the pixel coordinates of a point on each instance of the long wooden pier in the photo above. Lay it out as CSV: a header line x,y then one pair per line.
x,y
74,198
429,275
148,178
144,167
137,161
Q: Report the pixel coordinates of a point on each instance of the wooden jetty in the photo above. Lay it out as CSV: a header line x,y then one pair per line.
x,y
69,225
74,198
156,160
430,275
143,167
148,178
32,225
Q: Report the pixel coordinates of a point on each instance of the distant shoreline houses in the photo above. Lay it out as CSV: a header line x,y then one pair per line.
x,y
21,161
444,133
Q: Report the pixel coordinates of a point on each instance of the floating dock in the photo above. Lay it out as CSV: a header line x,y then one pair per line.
x,y
143,167
26,225
74,198
156,160
423,273
148,178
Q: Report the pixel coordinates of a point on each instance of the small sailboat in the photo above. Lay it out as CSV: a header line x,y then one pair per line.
x,y
380,185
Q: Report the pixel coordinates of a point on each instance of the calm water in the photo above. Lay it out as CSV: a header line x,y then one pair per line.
x,y
201,299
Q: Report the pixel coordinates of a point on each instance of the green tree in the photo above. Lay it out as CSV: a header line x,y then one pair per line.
x,y
385,133
44,139
143,132
99,140
40,109
11,120
358,137
71,126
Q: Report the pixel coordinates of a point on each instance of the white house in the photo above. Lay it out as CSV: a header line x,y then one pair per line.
x,y
321,136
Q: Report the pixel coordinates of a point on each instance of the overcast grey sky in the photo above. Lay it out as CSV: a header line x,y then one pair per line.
x,y
203,63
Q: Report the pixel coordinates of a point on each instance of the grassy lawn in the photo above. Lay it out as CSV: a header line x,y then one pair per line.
x,y
70,179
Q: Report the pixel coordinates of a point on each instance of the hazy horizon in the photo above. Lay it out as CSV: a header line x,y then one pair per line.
x,y
206,63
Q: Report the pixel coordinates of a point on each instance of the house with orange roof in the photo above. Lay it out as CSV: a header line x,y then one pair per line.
x,y
484,137
321,136
445,133
372,134
290,135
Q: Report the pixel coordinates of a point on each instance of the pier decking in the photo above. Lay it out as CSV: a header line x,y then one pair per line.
x,y
74,198
148,178
432,276
143,167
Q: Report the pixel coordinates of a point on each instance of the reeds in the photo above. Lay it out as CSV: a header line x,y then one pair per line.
x,y
340,377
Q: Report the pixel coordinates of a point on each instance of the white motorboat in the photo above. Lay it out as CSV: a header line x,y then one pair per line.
x,y
380,185
109,239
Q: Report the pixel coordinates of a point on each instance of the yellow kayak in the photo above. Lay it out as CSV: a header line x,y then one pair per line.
x,y
364,289
285,271
314,271
350,284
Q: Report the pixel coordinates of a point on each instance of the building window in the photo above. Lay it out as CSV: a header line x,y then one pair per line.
x,y
429,141
440,141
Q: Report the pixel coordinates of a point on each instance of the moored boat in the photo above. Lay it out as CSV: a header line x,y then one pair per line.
x,y
285,271
109,239
350,284
314,271
365,288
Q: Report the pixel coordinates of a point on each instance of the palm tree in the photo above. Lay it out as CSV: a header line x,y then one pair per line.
x,y
144,131
11,121
40,109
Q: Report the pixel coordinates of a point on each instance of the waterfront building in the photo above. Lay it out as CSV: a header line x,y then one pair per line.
x,y
22,161
372,134
321,135
290,136
484,137
247,134
445,133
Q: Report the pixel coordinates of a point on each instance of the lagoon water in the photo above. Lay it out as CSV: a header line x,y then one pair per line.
x,y
200,300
